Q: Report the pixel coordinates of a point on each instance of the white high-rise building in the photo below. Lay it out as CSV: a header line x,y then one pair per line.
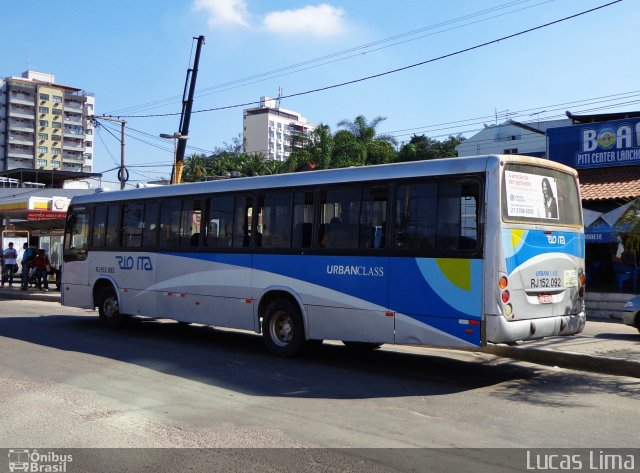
x,y
44,125
271,130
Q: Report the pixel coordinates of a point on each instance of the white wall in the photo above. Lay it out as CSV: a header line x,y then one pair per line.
x,y
506,137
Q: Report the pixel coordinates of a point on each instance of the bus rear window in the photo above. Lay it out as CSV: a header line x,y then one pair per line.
x,y
533,194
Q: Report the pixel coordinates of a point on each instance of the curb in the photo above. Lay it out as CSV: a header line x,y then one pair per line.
x,y
32,296
577,361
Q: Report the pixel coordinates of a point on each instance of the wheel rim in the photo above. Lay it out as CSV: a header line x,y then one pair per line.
x,y
281,329
110,307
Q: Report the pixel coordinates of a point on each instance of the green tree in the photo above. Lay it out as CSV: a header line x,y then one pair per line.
x,y
347,150
421,147
369,149
195,168
323,144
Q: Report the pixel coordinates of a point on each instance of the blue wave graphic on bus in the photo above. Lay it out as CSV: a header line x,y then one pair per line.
x,y
522,245
407,285
467,299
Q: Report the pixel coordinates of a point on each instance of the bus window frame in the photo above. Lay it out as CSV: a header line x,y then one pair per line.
x,y
466,253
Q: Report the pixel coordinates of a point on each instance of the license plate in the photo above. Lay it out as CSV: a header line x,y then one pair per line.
x,y
545,298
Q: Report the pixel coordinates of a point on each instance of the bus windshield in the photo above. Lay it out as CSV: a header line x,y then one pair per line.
x,y
535,194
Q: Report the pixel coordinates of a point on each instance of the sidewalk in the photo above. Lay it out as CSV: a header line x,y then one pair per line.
x,y
31,294
612,348
615,351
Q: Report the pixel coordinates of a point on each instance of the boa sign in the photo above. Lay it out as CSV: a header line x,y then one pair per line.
x,y
595,145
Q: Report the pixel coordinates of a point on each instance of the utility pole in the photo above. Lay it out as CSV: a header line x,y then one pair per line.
x,y
123,173
185,118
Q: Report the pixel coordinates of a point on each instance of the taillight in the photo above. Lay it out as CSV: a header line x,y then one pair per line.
x,y
505,296
502,283
583,279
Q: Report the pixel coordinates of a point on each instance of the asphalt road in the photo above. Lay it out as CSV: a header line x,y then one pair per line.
x,y
67,382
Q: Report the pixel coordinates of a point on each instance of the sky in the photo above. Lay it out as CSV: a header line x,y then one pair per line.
x,y
134,55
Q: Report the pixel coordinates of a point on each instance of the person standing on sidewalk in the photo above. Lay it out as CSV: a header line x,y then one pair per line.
x,y
26,262
41,262
9,255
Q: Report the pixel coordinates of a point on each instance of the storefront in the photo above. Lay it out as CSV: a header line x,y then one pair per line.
x,y
605,149
36,220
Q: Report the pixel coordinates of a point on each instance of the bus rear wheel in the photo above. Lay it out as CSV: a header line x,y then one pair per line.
x,y
109,309
282,328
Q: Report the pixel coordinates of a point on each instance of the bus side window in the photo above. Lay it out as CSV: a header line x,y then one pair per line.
x,y
132,225
276,220
339,213
303,210
416,216
99,226
170,223
190,221
220,221
112,240
242,214
150,225
469,216
373,215
448,223
76,235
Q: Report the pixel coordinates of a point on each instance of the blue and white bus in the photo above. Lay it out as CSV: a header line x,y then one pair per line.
x,y
455,252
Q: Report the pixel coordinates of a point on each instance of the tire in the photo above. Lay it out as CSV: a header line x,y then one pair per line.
x,y
282,329
109,308
362,345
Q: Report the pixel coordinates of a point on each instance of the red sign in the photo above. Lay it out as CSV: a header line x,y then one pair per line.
x,y
44,215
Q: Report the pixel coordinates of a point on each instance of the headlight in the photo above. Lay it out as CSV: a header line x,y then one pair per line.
x,y
628,305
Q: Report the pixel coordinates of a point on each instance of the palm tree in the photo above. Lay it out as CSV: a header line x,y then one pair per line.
x,y
369,143
194,168
322,150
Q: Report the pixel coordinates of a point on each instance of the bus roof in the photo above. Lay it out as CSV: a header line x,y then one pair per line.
x,y
382,172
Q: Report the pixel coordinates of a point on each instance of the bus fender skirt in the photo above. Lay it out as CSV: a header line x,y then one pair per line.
x,y
290,292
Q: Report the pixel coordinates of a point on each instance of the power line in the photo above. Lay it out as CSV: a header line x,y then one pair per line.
x,y
157,138
516,114
105,145
453,127
391,71
526,110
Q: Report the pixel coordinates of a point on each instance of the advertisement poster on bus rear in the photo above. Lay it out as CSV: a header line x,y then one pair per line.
x,y
531,195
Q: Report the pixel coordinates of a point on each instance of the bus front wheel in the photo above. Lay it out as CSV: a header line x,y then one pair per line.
x,y
109,309
282,328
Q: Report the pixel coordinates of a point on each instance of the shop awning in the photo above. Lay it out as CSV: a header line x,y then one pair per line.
x,y
601,227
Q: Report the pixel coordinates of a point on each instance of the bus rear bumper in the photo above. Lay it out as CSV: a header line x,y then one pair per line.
x,y
501,330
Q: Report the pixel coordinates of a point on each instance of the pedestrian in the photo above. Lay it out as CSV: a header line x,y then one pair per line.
x,y
42,265
27,262
9,255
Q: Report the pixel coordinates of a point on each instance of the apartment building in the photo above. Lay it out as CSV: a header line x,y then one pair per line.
x,y
271,130
44,125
